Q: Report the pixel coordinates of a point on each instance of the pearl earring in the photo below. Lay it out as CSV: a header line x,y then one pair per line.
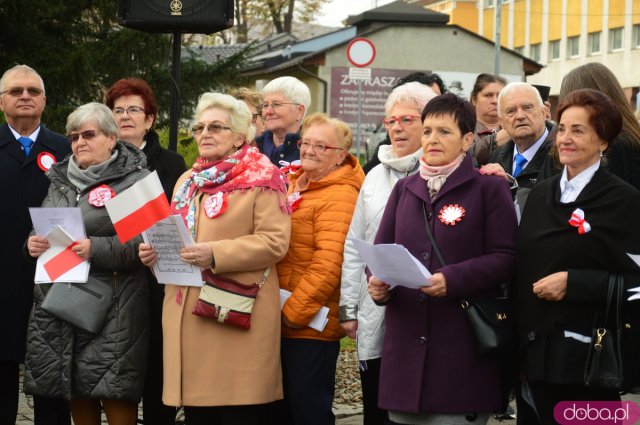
x,y
601,154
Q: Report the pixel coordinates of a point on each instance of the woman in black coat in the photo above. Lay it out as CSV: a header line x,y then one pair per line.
x,y
576,231
135,110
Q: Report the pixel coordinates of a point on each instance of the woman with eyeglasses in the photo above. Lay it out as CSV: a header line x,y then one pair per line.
x,y
286,101
360,318
233,201
135,109
322,195
462,227
104,371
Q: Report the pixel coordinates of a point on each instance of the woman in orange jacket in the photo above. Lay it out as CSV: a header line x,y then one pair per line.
x,y
323,195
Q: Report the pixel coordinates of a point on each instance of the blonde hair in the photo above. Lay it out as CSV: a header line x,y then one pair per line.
x,y
239,114
343,132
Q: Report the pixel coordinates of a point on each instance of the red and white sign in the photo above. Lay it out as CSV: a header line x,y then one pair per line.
x,y
138,208
361,52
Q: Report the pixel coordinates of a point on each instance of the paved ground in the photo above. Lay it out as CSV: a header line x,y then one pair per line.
x,y
345,416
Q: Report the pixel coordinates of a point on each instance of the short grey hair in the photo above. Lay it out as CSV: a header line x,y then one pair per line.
x,y
93,112
291,88
239,114
515,86
24,69
413,93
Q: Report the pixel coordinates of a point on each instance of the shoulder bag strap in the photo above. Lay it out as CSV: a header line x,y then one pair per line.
x,y
433,241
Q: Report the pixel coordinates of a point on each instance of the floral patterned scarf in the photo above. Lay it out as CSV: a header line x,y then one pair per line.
x,y
246,169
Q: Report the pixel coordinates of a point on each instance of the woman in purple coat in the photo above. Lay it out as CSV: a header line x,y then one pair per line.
x,y
431,371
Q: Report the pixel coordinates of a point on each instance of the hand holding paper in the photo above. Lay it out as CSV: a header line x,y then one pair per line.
x,y
318,322
59,263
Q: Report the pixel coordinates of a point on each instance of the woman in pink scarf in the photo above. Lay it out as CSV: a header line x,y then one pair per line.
x,y
233,202
431,371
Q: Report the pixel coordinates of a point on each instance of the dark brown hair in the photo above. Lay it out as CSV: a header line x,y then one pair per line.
x,y
482,81
604,116
598,77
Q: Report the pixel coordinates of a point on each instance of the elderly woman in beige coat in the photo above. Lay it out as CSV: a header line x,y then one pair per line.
x,y
233,201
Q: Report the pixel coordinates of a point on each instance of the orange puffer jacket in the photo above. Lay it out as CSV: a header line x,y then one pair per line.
x,y
312,267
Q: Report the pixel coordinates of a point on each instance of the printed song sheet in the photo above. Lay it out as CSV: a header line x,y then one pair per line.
x,y
318,322
167,237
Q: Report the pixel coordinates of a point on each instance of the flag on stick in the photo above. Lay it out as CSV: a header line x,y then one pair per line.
x,y
138,208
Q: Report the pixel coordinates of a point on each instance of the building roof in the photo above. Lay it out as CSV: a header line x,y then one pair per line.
x,y
399,12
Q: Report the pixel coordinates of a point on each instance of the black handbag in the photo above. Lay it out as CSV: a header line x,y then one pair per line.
x,y
490,320
83,305
604,366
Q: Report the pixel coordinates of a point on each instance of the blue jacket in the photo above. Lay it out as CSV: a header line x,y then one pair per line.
x,y
288,151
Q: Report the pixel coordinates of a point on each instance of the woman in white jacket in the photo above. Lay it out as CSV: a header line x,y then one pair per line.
x,y
359,316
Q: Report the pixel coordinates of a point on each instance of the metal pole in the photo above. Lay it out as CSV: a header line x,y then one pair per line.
x,y
359,132
174,112
497,32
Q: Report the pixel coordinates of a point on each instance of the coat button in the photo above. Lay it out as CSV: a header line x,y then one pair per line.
x,y
422,340
425,256
531,336
422,297
281,155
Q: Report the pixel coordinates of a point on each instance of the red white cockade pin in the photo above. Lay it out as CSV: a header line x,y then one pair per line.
x,y
451,214
45,161
100,195
215,205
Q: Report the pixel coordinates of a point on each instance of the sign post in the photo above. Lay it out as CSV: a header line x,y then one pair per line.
x,y
360,52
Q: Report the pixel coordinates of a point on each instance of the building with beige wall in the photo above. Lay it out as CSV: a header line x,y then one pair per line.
x,y
560,34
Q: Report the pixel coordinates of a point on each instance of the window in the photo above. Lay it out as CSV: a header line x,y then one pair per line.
x,y
593,42
636,36
489,3
534,52
554,50
519,50
615,39
573,46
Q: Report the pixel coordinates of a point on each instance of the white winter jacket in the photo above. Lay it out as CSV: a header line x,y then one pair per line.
x,y
355,302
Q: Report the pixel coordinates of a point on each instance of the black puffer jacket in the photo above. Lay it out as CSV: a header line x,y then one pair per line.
x,y
65,362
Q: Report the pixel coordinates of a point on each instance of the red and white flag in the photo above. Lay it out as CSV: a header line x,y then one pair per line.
x,y
59,263
138,208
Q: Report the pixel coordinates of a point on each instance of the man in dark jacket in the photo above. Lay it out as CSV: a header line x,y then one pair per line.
x,y
27,151
522,114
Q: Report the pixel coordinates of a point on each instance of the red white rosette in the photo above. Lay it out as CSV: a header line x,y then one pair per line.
x,y
215,205
100,195
294,200
45,160
451,214
290,167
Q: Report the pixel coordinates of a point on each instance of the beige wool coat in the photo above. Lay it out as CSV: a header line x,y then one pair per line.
x,y
207,363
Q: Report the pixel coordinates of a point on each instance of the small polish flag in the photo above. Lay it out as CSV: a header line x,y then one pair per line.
x,y
138,208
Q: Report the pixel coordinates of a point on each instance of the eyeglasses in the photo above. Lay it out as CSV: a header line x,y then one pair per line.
x,y
86,135
17,91
305,144
211,128
276,105
404,121
131,110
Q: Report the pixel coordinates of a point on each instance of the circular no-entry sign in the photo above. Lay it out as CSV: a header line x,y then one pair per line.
x,y
361,52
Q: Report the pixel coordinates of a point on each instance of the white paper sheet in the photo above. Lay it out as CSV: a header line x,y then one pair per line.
x,y
70,219
167,237
635,292
393,264
59,239
318,322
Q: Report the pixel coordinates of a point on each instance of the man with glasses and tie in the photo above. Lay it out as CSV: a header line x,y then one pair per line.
x,y
27,151
523,117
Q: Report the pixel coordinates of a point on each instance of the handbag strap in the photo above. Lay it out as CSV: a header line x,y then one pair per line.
x,y
265,276
433,241
614,305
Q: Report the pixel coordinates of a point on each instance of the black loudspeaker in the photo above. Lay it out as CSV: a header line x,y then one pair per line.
x,y
186,16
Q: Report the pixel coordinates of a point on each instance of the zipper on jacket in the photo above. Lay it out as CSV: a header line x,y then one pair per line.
x,y
115,289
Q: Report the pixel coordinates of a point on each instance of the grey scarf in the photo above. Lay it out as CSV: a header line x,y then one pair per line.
x,y
88,177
